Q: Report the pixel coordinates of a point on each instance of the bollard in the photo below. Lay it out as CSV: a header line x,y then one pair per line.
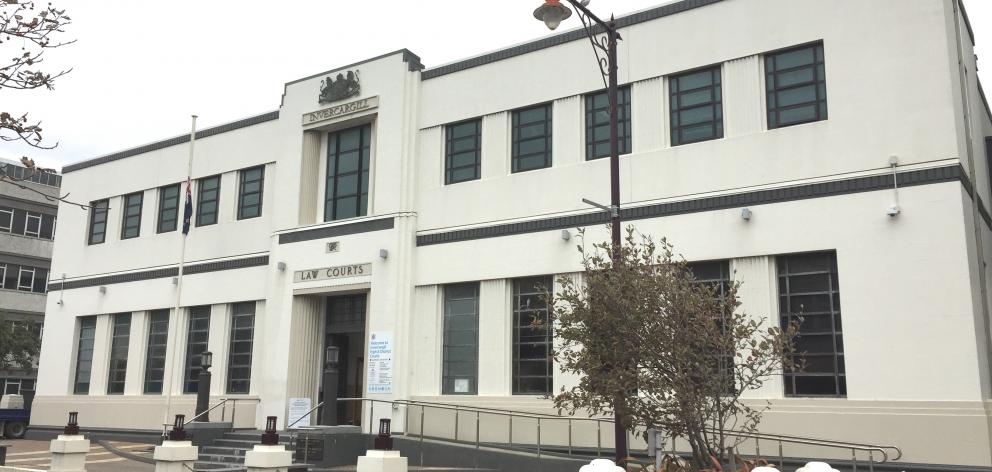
x,y
269,456
816,467
601,465
381,461
176,454
69,449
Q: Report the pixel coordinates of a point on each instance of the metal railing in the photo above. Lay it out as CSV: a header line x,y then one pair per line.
x,y
222,404
884,453
307,414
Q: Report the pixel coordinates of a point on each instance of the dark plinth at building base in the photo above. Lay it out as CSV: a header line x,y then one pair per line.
x,y
204,433
329,446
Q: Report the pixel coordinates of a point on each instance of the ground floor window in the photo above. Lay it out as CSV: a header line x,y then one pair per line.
x,y
158,337
460,362
197,335
84,355
118,353
807,285
239,359
532,337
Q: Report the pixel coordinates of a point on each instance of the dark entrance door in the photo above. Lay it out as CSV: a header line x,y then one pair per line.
x,y
345,328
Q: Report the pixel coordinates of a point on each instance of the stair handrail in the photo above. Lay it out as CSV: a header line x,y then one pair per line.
x,y
304,415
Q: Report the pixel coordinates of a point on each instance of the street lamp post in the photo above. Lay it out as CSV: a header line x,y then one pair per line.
x,y
203,387
552,13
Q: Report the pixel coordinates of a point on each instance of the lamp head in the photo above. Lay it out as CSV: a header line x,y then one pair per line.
x,y
552,13
206,359
332,355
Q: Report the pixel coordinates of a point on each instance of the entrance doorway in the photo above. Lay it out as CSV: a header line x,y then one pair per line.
x,y
345,328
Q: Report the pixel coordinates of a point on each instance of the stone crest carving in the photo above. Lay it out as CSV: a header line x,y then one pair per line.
x,y
339,88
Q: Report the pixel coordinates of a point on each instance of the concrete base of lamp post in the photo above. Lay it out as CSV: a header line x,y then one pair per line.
x,y
601,465
175,456
264,458
69,453
382,461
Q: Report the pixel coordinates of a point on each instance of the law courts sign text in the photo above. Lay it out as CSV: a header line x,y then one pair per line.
x,y
340,110
353,270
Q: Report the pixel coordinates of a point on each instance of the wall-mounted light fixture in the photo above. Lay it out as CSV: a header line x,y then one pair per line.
x,y
746,214
103,289
281,266
566,235
175,281
383,254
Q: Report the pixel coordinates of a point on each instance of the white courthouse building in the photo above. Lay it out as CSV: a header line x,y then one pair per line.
x,y
420,206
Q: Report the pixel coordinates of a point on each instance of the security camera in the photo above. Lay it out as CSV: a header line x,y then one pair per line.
x,y
893,211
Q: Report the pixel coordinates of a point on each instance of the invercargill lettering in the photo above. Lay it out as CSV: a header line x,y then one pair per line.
x,y
340,110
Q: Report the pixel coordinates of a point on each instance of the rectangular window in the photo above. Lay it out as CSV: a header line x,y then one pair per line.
x,y
532,138
207,199
168,208
11,272
47,227
807,286
239,360
32,225
250,192
796,84
463,151
40,284
84,355
716,274
6,219
3,275
197,335
347,187
696,106
158,337
988,167
98,221
25,279
117,372
131,224
532,344
460,363
598,123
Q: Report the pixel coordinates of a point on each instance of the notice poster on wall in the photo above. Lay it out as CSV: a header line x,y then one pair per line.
x,y
380,374
298,408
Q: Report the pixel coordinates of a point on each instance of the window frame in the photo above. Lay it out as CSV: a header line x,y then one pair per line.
x,y
516,374
191,372
201,216
625,142
363,171
819,83
10,226
20,274
446,342
166,223
86,324
675,108
240,310
449,154
242,208
131,221
515,141
149,358
99,213
28,215
119,341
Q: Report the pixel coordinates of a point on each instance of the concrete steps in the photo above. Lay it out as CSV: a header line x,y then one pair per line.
x,y
227,454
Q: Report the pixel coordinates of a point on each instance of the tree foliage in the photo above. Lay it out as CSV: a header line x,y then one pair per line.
x,y
19,344
682,352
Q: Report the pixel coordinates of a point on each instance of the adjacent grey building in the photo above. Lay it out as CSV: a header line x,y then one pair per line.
x,y
27,227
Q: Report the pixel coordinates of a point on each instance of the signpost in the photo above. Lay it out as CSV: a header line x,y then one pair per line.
x,y
380,374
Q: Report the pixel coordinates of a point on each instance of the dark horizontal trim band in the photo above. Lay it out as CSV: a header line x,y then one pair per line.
x,y
161,273
578,34
29,205
331,231
759,197
204,133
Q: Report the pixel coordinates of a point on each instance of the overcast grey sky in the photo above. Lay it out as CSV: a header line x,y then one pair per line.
x,y
140,68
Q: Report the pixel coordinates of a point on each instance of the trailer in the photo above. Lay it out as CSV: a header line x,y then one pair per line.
x,y
14,421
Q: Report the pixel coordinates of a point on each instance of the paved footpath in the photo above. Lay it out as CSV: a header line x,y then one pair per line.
x,y
35,455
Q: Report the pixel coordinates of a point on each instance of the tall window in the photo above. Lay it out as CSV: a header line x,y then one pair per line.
x,y
598,123
532,340
84,355
796,83
197,335
118,353
250,192
532,138
460,369
696,107
807,286
239,360
463,151
168,208
207,197
158,337
716,274
32,224
6,219
347,188
131,226
98,221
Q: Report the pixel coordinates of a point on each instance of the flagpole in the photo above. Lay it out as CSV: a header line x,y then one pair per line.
x,y
173,329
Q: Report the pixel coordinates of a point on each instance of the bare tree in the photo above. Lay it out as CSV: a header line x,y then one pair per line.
x,y
684,350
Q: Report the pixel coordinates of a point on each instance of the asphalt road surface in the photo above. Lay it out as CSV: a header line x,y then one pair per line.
x,y
34,455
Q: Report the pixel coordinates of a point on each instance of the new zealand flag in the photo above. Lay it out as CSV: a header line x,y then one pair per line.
x,y
188,211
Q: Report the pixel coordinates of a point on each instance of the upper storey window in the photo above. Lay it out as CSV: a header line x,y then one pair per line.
x,y
463,151
208,195
796,84
598,123
532,138
347,186
98,221
168,208
696,104
131,224
250,192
